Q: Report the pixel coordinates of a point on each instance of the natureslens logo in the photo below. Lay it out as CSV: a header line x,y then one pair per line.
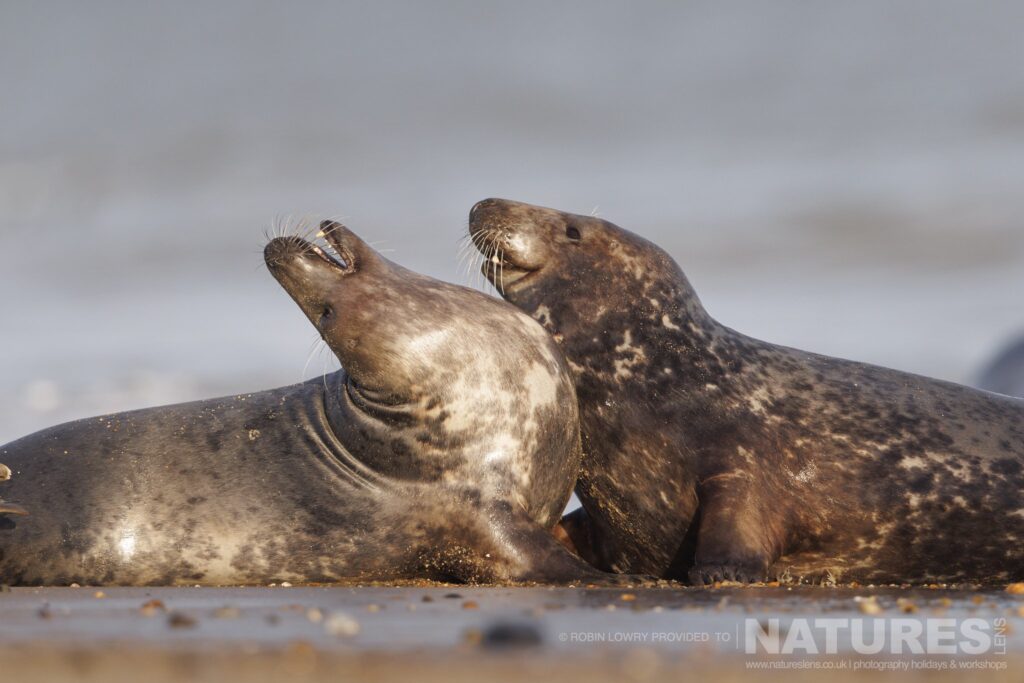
x,y
875,636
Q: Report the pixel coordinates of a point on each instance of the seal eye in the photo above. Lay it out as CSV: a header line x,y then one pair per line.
x,y
573,233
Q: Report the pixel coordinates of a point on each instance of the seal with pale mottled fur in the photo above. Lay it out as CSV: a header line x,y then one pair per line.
x,y
446,448
714,455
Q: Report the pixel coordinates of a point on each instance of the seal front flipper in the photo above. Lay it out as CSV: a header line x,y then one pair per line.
x,y
738,539
519,550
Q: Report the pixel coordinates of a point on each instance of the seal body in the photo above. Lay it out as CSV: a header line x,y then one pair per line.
x,y
447,448
714,455
1005,374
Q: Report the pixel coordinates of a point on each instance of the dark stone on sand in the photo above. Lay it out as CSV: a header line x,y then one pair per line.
x,y
511,635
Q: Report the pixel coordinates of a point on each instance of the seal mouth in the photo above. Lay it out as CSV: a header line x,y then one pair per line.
x,y
503,272
499,266
342,258
333,252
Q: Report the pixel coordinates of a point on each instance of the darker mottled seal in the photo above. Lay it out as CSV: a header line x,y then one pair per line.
x,y
446,449
712,454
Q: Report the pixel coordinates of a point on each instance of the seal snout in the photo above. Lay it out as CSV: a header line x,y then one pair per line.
x,y
280,249
510,248
483,206
339,253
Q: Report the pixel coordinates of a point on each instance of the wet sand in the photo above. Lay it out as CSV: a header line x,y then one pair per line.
x,y
456,633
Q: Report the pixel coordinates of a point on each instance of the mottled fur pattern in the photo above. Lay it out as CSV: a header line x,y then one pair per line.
x,y
447,448
714,455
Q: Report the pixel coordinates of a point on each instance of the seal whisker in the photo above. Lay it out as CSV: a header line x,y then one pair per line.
x,y
496,268
475,273
469,258
480,275
323,373
501,271
313,349
467,255
485,251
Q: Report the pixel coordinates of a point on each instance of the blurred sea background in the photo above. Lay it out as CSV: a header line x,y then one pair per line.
x,y
844,177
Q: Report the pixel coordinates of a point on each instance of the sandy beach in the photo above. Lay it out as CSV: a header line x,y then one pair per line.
x,y
463,633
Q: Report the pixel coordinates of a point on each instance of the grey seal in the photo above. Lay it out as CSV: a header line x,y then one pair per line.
x,y
713,455
445,449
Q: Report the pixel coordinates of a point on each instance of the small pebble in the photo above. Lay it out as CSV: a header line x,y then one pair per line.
x,y
470,604
179,620
906,606
226,613
1015,588
453,596
869,606
341,624
150,608
99,595
5,472
628,597
427,598
286,584
314,615
511,635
